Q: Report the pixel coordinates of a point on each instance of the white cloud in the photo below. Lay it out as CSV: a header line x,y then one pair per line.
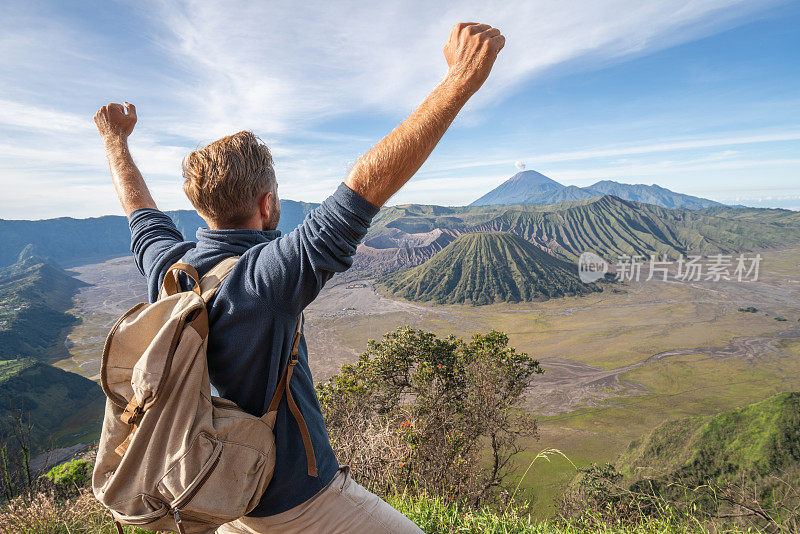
x,y
449,165
14,115
281,65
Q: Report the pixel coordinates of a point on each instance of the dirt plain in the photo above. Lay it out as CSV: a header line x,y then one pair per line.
x,y
349,311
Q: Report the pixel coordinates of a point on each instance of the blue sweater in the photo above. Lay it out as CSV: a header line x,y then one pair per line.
x,y
253,315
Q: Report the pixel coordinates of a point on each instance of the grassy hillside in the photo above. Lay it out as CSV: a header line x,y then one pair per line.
x,y
759,440
781,217
484,268
33,296
65,408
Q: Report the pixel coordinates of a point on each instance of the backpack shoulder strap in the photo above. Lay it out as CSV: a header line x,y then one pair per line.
x,y
283,389
214,277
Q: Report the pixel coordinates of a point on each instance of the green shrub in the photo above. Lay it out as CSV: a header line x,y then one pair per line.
x,y
70,476
421,412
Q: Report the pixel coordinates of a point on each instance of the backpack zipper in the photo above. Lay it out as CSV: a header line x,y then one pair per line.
x,y
178,521
186,497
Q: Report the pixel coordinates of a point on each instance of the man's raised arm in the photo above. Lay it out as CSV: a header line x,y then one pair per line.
x,y
470,52
115,125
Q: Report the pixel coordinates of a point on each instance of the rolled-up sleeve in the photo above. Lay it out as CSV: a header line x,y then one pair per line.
x,y
290,271
156,244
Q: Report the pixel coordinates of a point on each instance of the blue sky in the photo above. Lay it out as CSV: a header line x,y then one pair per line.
x,y
702,97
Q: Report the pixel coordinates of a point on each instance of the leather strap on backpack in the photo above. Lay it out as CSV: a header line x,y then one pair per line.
x,y
131,416
209,284
170,284
283,387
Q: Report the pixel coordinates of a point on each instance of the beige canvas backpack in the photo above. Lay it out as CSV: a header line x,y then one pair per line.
x,y
171,455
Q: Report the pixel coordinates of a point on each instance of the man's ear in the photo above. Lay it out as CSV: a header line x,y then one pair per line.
x,y
265,205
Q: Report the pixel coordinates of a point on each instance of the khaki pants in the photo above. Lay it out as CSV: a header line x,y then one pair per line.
x,y
343,506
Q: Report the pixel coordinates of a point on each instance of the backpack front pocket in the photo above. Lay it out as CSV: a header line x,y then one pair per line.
x,y
187,474
216,480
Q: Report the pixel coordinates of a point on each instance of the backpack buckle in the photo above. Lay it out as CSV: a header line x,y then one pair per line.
x,y
133,413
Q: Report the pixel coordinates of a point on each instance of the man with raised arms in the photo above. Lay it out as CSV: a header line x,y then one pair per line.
x,y
231,183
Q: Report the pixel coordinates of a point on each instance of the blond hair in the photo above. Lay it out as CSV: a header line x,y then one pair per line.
x,y
224,179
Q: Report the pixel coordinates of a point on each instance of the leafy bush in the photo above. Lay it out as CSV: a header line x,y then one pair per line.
x,y
70,476
417,412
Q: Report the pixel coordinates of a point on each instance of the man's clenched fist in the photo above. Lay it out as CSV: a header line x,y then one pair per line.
x,y
470,52
114,120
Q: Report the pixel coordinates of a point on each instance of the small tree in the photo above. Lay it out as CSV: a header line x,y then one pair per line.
x,y
22,426
420,412
8,478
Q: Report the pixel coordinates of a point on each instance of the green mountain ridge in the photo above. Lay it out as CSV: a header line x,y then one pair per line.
x,y
776,216
64,408
611,226
401,236
482,268
68,241
34,295
607,225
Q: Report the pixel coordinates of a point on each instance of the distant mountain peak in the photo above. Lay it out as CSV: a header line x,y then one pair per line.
x,y
650,194
532,177
525,187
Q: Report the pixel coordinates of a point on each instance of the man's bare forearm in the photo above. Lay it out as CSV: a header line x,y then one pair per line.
x,y
128,181
115,122
382,171
470,52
